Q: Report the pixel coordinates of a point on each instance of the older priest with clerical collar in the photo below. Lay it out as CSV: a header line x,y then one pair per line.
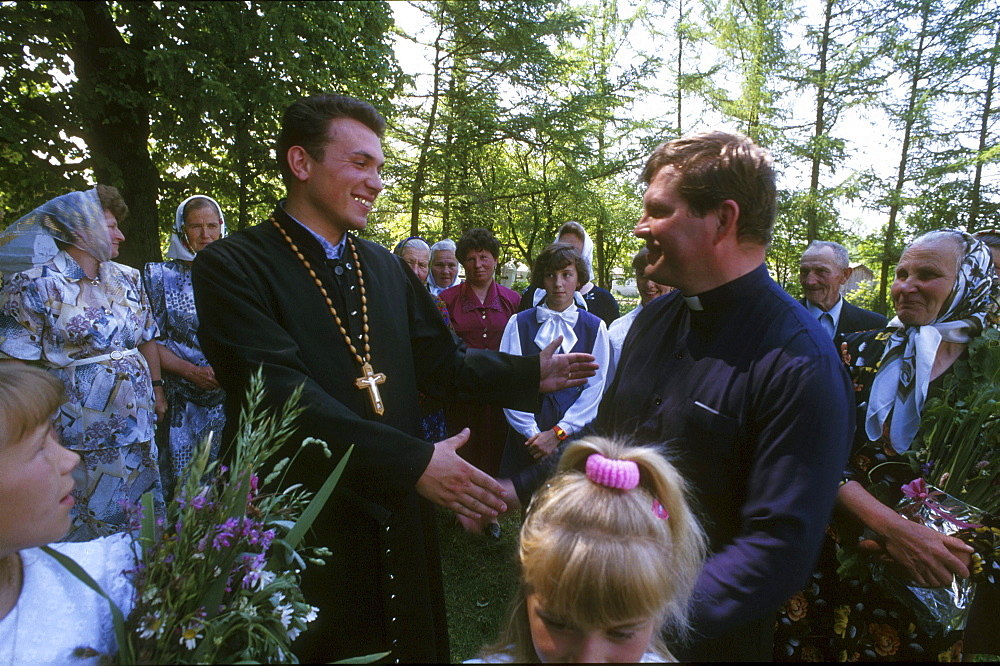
x,y
733,378
314,305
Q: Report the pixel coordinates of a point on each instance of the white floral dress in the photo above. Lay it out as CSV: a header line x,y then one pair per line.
x,y
87,333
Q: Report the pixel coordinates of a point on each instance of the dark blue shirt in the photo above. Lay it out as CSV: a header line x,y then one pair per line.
x,y
754,406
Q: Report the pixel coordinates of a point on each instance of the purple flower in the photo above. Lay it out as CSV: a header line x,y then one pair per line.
x,y
925,468
199,502
225,533
254,566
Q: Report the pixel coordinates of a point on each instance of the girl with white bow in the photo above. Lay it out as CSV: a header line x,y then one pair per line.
x,y
559,311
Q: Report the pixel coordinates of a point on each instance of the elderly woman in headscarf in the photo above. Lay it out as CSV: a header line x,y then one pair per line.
x,y
945,292
444,266
417,255
598,301
195,400
87,320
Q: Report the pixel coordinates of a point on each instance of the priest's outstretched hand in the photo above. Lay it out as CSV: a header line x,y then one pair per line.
x,y
453,483
559,371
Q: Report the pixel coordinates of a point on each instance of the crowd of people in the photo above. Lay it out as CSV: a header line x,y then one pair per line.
x,y
691,475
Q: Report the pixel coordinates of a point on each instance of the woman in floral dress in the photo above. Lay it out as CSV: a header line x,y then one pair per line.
x,y
86,319
945,293
195,408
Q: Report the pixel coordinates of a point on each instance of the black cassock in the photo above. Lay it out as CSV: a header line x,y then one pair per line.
x,y
381,589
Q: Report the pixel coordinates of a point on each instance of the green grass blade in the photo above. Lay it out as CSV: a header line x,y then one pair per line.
x,y
124,649
308,516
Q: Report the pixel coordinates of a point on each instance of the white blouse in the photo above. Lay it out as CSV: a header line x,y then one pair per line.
x,y
584,410
56,613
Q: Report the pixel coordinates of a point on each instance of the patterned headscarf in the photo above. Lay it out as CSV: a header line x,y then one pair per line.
x,y
900,386
179,248
75,218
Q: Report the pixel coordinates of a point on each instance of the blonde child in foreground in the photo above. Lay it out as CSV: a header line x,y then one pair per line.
x,y
609,554
47,616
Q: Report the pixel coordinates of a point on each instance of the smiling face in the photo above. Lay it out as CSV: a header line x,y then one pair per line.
x,y
560,286
821,278
35,484
444,267
336,193
678,241
925,276
202,227
416,258
648,289
117,237
480,267
558,640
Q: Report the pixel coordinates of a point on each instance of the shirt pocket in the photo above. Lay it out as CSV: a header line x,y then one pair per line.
x,y
709,435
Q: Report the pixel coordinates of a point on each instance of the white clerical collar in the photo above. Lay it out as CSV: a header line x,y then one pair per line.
x,y
693,303
834,312
329,249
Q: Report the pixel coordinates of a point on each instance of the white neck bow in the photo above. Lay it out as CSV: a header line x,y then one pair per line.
x,y
554,324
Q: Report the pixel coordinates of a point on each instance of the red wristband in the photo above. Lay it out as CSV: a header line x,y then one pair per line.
x,y
560,433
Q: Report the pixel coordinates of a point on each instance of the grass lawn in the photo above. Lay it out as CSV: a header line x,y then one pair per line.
x,y
479,579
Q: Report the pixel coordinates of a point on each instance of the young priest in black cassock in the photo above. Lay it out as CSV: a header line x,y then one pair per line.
x,y
314,305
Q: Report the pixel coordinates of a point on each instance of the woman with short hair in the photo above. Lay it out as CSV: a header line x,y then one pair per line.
x,y
479,309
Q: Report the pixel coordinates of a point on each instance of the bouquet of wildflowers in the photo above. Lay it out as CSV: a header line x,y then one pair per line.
x,y
956,458
959,441
218,581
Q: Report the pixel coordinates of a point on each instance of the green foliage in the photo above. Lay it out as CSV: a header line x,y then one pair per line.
x,y
529,113
542,140
173,99
960,430
218,580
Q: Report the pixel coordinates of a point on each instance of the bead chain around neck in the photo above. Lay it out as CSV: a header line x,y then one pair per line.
x,y
329,303
369,379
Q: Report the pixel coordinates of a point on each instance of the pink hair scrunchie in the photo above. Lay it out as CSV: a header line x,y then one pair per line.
x,y
620,474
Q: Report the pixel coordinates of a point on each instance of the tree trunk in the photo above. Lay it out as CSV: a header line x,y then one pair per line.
x,y
111,81
812,212
420,175
975,196
916,75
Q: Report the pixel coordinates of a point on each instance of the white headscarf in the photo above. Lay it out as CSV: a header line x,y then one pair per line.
x,y
900,386
76,218
179,248
588,252
443,244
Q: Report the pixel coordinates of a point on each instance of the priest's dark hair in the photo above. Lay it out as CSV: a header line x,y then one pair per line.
x,y
475,240
307,120
717,166
556,257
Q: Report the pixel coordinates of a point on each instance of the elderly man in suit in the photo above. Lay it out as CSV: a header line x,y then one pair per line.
x,y
823,270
